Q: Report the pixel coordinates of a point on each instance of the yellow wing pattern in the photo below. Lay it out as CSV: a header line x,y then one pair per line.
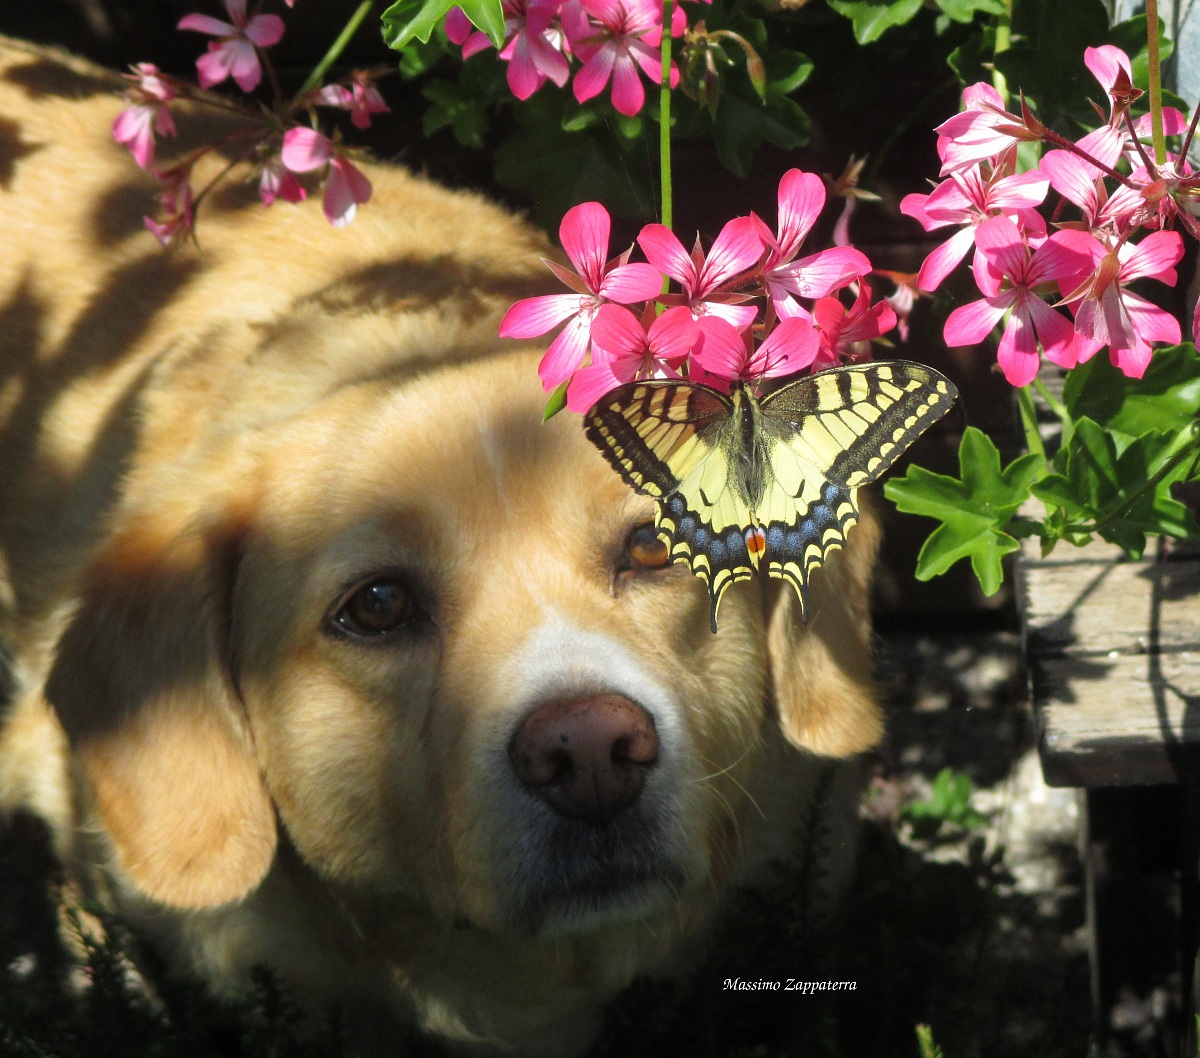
x,y
741,482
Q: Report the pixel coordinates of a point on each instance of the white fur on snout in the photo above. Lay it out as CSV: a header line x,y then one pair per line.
x,y
529,845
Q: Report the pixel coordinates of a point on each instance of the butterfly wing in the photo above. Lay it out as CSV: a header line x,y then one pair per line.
x,y
676,442
826,436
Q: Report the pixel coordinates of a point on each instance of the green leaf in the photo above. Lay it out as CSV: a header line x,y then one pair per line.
x,y
456,107
742,127
557,401
872,18
785,71
965,10
408,20
1165,399
949,802
974,510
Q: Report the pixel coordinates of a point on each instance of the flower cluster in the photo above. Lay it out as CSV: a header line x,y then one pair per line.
x,y
749,308
617,40
287,157
1126,207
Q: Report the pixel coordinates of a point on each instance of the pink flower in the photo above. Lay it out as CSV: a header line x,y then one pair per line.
x,y
1080,183
843,333
235,53
737,248
624,348
305,150
1109,314
624,35
175,198
801,199
137,125
362,99
1008,279
727,354
968,198
533,43
584,234
981,131
278,182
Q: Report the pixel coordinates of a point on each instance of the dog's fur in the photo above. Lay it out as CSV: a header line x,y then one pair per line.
x,y
203,452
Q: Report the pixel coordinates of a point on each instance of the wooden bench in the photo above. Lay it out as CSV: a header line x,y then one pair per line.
x,y
1112,651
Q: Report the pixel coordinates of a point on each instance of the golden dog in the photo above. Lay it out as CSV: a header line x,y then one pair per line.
x,y
329,655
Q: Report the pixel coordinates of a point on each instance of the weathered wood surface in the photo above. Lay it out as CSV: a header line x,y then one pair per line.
x,y
1113,650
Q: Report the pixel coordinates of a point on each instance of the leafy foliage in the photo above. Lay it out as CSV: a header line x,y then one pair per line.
x,y
1113,481
949,802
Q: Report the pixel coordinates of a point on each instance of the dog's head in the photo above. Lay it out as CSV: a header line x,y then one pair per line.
x,y
434,642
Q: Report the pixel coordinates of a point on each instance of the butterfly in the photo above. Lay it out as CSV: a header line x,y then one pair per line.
x,y
743,483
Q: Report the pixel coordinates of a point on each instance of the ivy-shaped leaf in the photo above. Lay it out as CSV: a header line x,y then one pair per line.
x,y
408,20
974,510
872,18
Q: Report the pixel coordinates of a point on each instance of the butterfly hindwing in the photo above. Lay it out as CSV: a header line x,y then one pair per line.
x,y
742,483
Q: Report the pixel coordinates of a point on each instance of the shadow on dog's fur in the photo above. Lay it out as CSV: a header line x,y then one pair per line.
x,y
291,567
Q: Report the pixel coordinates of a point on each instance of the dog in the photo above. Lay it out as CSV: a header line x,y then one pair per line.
x,y
327,654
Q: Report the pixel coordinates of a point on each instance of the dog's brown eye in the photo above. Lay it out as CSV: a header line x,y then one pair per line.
x,y
644,549
377,608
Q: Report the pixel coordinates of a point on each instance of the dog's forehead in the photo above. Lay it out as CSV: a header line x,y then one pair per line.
x,y
456,454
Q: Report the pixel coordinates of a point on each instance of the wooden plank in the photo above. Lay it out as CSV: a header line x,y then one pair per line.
x,y
1116,721
1101,607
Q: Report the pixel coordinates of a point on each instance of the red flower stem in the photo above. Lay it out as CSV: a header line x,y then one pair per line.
x,y
1187,140
1150,166
1156,123
1049,136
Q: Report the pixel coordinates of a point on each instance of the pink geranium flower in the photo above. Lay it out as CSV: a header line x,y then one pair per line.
x,y
306,150
737,249
624,348
844,333
137,125
725,353
968,198
533,43
1109,314
361,98
1009,278
278,182
176,200
981,131
584,235
622,38
1079,182
801,199
235,52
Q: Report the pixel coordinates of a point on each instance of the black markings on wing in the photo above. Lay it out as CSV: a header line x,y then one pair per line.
x,y
818,440
830,434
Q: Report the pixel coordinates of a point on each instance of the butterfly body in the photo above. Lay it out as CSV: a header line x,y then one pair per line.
x,y
743,483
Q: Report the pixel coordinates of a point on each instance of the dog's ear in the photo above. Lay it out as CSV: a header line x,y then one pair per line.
x,y
821,671
142,685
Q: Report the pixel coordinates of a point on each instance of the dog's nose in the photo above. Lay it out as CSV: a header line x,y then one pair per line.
x,y
586,757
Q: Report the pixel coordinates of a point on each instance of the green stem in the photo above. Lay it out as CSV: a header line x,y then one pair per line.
x,y
1156,122
1003,41
1056,406
1033,439
335,50
664,118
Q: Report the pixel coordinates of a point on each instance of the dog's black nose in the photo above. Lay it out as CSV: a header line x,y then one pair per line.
x,y
586,757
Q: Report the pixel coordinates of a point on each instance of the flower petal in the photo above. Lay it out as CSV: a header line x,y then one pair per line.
x,y
947,257
584,233
565,354
264,30
618,332
305,149
737,248
535,316
631,283
214,27
666,253
970,324
722,350
801,199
